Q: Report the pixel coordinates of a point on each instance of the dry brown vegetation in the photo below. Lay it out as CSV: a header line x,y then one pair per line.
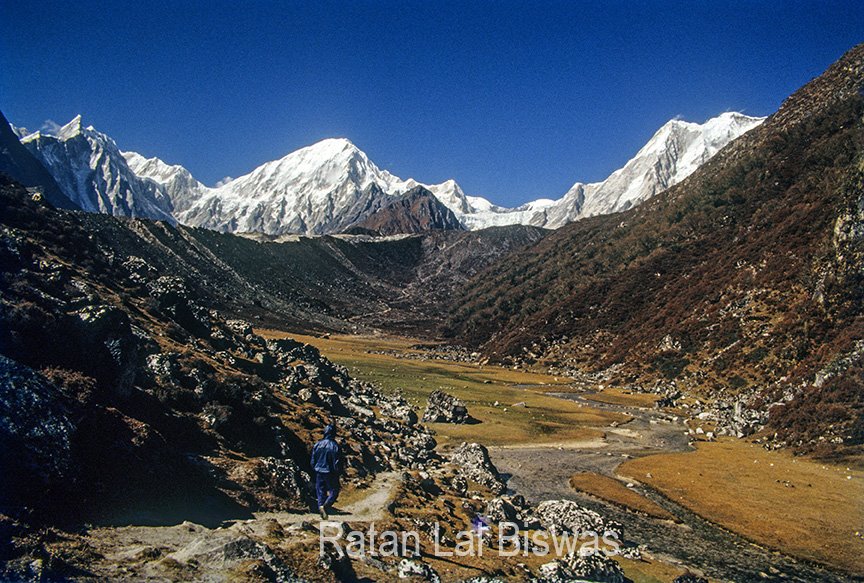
x,y
612,490
793,504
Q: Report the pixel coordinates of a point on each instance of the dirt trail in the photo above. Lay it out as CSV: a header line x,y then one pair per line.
x,y
145,552
368,508
543,473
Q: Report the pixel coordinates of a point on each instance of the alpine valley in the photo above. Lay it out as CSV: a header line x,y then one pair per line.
x,y
672,358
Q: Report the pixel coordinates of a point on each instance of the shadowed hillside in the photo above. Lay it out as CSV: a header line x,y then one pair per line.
x,y
342,283
746,279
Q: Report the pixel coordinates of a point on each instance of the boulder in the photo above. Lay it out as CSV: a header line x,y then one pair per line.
x,y
398,408
690,578
560,516
445,408
595,567
473,463
500,510
173,299
275,484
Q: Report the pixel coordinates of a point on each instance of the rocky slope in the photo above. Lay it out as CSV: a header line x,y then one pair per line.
x,y
742,283
128,399
125,366
322,283
416,211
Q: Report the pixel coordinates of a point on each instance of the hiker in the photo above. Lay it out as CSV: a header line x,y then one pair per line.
x,y
327,462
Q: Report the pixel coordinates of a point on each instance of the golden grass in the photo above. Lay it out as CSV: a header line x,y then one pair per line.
x,y
649,570
543,419
795,505
612,490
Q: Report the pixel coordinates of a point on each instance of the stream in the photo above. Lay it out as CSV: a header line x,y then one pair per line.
x,y
543,473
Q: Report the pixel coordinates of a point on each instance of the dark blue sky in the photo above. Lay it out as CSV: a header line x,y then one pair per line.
x,y
515,100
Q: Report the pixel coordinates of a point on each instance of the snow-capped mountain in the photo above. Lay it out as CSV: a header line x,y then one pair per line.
x,y
671,155
91,172
674,152
18,163
332,184
180,186
323,188
319,189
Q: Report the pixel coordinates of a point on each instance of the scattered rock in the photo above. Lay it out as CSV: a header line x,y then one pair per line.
x,y
398,408
36,430
409,569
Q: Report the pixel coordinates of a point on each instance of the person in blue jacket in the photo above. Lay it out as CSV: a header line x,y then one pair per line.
x,y
327,463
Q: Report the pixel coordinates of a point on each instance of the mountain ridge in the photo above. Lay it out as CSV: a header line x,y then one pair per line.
x,y
88,167
323,188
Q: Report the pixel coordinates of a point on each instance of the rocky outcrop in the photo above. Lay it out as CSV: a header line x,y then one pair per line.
x,y
473,464
274,483
445,408
416,211
222,551
113,347
172,298
36,433
500,510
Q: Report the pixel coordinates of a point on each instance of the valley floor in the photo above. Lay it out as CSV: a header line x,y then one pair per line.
x,y
729,509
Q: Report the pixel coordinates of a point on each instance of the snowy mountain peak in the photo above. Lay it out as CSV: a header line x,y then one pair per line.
x,y
674,152
330,147
71,129
179,184
92,173
63,133
332,184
